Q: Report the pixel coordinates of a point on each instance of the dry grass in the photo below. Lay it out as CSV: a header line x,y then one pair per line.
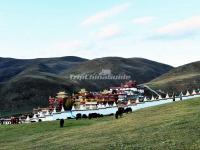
x,y
171,126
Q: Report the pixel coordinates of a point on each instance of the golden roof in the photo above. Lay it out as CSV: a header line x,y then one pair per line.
x,y
61,94
82,91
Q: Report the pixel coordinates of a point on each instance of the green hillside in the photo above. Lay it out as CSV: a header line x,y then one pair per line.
x,y
179,79
27,84
170,126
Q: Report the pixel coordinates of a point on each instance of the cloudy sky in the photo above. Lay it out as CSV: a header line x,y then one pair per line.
x,y
160,30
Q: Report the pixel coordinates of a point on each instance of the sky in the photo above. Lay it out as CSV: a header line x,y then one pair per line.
x,y
160,30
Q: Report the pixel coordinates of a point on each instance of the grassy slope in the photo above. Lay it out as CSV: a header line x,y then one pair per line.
x,y
179,79
171,126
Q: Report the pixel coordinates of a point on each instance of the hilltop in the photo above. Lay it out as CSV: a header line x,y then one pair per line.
x,y
179,79
140,69
169,126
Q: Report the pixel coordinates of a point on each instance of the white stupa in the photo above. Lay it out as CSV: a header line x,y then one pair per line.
x,y
129,102
34,116
107,105
82,107
194,92
62,110
160,97
103,106
152,98
90,107
98,106
198,91
41,114
73,108
188,93
145,99
54,110
167,96
137,101
47,113
27,119
114,104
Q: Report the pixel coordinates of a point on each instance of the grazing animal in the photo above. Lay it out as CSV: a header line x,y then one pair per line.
x,y
110,114
94,115
116,114
1,122
62,123
174,98
70,118
128,110
121,111
78,116
84,116
181,97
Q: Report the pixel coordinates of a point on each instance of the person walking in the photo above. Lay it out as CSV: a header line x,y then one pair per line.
x,y
62,123
174,97
181,96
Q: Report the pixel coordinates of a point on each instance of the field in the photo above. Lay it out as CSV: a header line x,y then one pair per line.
x,y
170,126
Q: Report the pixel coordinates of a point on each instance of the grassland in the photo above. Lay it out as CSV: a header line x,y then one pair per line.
x,y
170,126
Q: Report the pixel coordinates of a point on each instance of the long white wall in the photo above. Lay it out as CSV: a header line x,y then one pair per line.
x,y
108,110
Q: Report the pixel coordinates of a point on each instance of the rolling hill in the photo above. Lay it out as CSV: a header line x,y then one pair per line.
x,y
186,77
170,126
141,70
25,84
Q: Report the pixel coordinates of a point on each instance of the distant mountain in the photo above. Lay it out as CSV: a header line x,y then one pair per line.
x,y
10,67
186,77
141,70
25,84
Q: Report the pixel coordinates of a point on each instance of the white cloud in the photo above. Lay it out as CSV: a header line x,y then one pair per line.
x,y
108,32
81,48
69,45
101,16
183,27
144,20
